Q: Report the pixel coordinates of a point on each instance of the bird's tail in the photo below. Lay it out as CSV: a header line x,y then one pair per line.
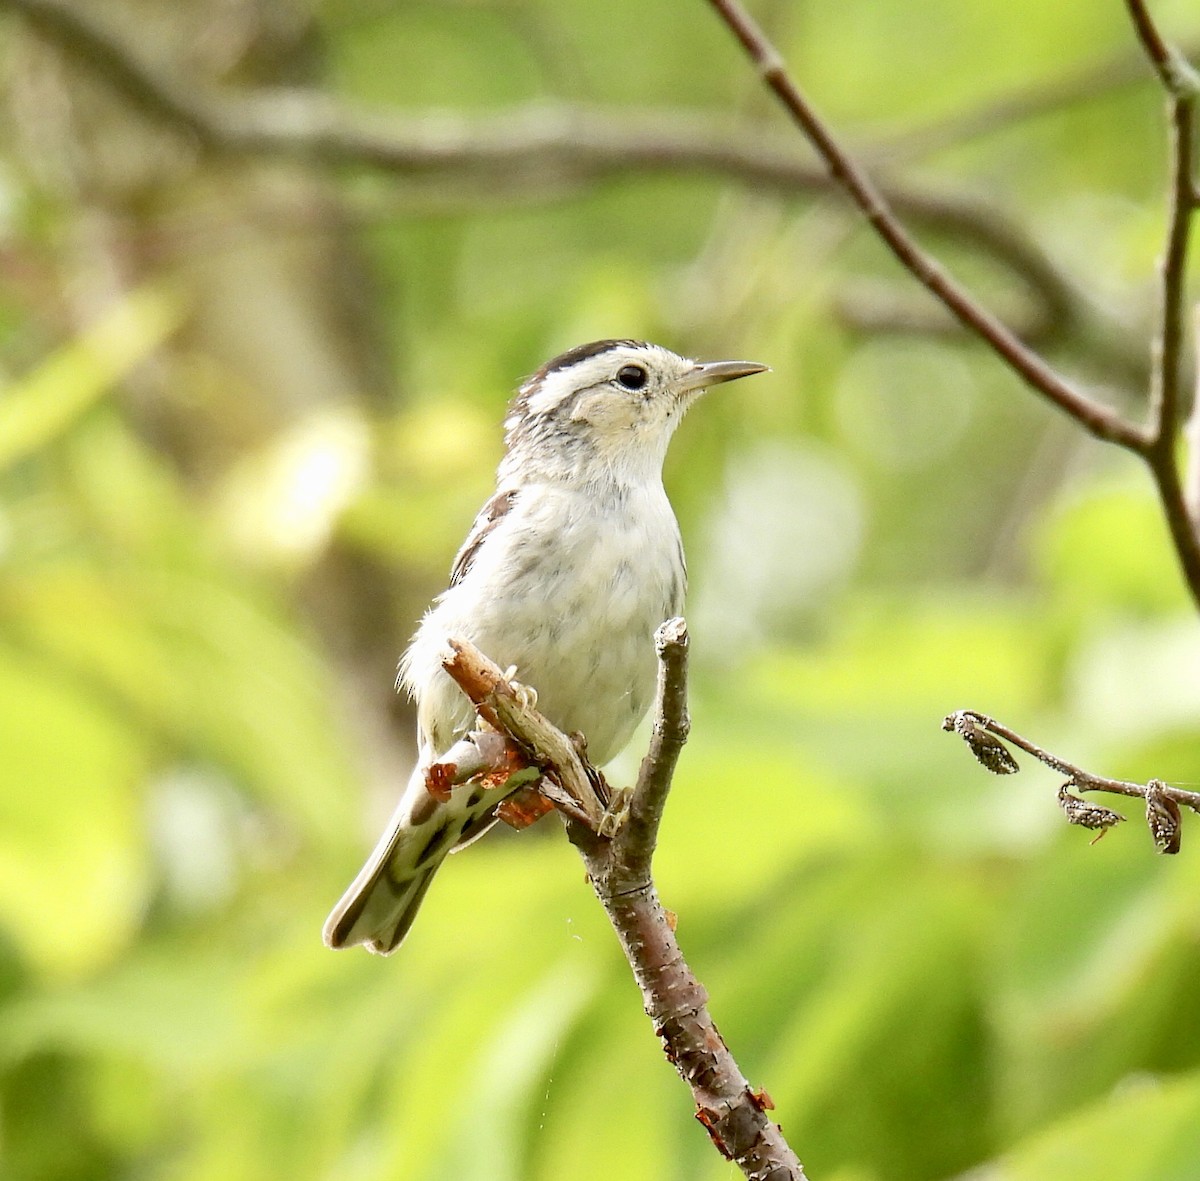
x,y
381,903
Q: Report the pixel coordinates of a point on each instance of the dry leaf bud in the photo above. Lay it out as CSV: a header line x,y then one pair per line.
x,y
1084,812
985,746
1163,817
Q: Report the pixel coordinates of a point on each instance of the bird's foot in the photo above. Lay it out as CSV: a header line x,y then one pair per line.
x,y
614,815
526,695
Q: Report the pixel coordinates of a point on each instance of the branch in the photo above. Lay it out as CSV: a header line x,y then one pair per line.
x,y
1097,419
633,846
549,146
1155,445
732,1112
508,708
982,734
1181,84
1173,69
1192,484
542,150
1168,370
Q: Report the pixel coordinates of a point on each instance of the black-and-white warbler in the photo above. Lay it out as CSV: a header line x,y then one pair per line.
x,y
565,575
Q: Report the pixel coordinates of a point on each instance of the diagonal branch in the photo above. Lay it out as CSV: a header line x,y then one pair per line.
x,y
505,707
1156,444
547,145
1174,71
732,1112
1096,418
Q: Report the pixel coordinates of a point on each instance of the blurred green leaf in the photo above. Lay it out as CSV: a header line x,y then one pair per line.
x,y
1147,1131
73,877
46,402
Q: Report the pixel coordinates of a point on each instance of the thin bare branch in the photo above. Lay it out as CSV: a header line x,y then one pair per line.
x,y
966,722
1192,480
506,707
547,151
1170,352
1168,372
1119,71
634,844
732,1112
1154,445
1174,71
95,45
1096,418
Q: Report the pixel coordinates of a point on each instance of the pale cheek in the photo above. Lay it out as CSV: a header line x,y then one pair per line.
x,y
606,415
617,420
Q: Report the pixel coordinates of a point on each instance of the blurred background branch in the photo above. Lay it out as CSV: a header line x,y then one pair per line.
x,y
534,153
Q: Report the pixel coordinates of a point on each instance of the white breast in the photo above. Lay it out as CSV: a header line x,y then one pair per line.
x,y
569,588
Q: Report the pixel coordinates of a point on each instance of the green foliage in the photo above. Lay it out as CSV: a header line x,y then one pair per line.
x,y
206,577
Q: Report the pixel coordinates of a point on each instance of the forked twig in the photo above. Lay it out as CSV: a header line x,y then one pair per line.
x,y
619,870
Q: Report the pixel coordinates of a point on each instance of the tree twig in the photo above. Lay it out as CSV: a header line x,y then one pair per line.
x,y
633,846
1174,71
1096,418
546,149
504,706
982,734
1192,430
1155,444
556,144
1180,83
1119,71
732,1112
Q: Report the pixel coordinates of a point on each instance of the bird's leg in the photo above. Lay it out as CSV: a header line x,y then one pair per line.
x,y
615,799
615,811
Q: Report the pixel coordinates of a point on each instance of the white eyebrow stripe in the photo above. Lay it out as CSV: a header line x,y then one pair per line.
x,y
560,384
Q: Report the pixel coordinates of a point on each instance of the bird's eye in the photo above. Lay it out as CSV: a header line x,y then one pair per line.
x,y
632,377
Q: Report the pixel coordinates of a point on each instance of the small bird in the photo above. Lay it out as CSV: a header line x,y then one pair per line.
x,y
565,575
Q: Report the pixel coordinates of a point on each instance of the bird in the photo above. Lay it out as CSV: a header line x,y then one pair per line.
x,y
565,575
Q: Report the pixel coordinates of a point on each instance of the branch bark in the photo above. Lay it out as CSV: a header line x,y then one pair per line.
x,y
1169,351
1096,418
619,870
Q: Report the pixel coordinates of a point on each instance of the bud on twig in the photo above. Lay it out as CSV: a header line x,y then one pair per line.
x,y
987,748
1163,817
1085,813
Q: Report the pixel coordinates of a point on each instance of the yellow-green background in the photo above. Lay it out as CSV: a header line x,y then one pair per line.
x,y
248,411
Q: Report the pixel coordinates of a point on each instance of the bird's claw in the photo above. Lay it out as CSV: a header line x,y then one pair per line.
x,y
526,695
614,815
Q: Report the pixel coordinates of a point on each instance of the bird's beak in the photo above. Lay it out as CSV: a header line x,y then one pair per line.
x,y
714,372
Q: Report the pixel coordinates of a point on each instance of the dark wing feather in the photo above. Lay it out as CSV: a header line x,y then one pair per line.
x,y
489,517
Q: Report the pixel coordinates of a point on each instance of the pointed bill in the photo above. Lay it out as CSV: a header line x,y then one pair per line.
x,y
714,372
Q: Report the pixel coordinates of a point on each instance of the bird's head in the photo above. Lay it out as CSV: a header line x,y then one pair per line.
x,y
611,404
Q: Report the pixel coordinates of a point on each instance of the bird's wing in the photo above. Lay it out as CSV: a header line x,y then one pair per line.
x,y
488,518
